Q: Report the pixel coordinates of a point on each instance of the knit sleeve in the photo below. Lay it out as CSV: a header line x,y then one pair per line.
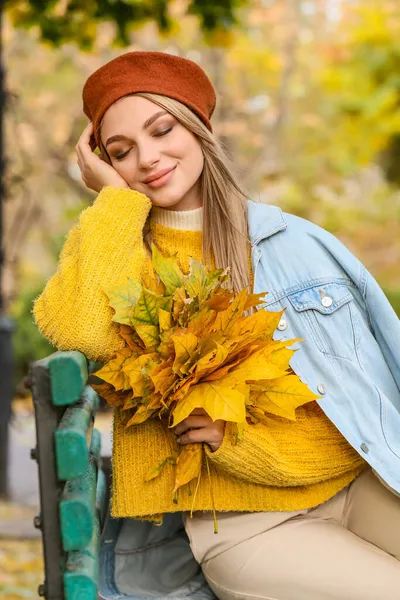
x,y
286,453
101,251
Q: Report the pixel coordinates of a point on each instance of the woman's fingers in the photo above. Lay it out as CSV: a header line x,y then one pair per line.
x,y
95,173
197,435
212,435
192,422
83,146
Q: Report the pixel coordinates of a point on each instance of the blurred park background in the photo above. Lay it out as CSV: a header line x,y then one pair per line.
x,y
308,108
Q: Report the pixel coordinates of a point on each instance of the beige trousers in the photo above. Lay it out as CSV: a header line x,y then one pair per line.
x,y
347,548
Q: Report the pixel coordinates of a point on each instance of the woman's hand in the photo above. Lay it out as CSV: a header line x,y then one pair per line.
x,y
199,427
96,172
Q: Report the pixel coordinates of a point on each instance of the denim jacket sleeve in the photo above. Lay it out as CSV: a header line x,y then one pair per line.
x,y
384,324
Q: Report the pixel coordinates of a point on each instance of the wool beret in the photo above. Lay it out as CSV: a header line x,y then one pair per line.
x,y
154,72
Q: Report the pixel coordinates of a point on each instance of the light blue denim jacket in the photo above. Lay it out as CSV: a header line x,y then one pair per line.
x,y
350,357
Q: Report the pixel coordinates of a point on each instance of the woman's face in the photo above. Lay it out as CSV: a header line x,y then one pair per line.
x,y
153,152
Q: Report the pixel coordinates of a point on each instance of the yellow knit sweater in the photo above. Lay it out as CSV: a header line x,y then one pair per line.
x,y
282,466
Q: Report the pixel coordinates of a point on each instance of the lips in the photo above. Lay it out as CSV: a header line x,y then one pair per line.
x,y
158,175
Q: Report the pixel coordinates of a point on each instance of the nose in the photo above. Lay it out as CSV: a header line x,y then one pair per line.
x,y
149,155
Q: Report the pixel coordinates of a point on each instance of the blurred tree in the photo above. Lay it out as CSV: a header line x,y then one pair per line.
x,y
62,21
361,78
28,343
286,75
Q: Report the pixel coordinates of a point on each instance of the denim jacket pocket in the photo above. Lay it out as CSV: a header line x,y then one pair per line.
x,y
326,312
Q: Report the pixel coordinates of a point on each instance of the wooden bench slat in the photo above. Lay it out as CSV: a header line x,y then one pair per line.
x,y
82,568
77,509
74,434
68,375
73,487
78,503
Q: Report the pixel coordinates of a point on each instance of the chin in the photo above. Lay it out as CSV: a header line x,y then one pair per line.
x,y
165,200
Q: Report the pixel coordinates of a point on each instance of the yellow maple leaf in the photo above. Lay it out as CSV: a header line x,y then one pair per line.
x,y
178,297
226,317
254,300
163,379
111,395
165,319
281,357
195,282
112,372
156,470
131,338
260,324
135,371
142,414
202,322
219,400
211,361
185,346
153,283
220,301
188,464
282,396
255,367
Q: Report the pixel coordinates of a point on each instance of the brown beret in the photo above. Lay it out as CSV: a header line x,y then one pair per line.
x,y
155,72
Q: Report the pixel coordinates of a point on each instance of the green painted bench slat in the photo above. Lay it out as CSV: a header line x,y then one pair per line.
x,y
68,376
74,434
77,509
82,568
78,503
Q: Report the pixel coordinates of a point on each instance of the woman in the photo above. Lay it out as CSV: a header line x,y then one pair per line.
x,y
307,509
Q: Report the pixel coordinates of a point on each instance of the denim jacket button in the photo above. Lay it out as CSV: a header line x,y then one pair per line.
x,y
321,389
326,301
282,325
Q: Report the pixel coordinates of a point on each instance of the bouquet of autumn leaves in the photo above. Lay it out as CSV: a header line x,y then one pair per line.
x,y
189,346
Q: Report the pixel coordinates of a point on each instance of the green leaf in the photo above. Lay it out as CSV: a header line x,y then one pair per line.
x,y
195,282
168,270
123,300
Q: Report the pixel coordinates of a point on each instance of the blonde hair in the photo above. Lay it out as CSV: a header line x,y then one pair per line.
x,y
225,224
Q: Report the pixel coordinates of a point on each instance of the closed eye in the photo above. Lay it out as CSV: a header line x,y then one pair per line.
x,y
159,134
164,132
121,156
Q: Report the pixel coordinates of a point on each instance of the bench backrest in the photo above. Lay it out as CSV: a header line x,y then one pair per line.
x,y
72,484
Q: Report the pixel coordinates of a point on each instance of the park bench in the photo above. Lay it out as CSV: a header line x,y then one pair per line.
x,y
73,485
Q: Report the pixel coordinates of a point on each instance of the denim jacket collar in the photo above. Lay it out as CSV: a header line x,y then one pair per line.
x,y
264,221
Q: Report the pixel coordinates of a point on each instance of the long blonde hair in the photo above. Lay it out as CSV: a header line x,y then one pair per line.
x,y
225,223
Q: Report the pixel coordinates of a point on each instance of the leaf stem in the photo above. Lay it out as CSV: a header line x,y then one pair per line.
x,y
195,494
212,496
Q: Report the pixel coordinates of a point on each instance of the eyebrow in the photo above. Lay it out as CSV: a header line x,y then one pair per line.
x,y
146,125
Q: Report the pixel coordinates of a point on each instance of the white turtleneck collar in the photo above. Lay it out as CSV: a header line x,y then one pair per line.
x,y
190,220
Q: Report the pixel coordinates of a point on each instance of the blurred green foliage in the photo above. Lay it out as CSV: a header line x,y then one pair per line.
x,y
394,299
60,22
28,342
